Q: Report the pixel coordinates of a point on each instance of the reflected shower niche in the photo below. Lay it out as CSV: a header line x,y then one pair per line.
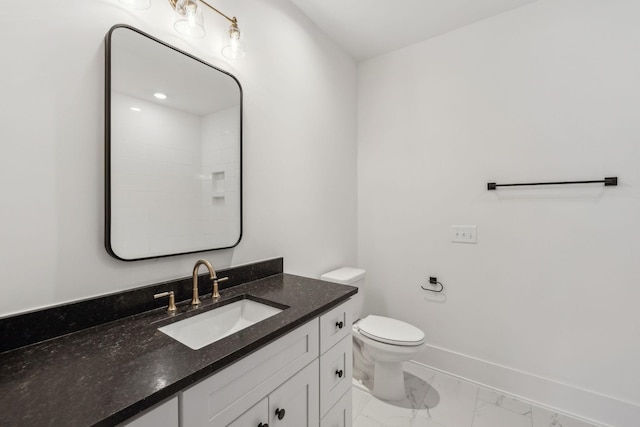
x,y
173,150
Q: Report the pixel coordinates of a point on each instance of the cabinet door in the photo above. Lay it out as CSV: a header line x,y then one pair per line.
x,y
335,374
340,414
295,403
254,417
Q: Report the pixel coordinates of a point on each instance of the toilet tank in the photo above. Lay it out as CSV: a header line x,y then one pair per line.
x,y
353,277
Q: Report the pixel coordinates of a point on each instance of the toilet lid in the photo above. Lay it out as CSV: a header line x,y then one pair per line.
x,y
390,331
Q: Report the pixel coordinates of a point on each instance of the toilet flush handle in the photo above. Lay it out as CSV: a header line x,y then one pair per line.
x,y
339,325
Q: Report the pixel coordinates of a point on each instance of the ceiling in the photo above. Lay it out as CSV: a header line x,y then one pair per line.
x,y
368,28
140,66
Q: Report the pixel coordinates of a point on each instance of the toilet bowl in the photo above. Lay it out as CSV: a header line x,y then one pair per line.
x,y
380,344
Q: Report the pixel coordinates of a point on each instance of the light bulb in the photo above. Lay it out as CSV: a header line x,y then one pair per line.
x,y
189,21
233,43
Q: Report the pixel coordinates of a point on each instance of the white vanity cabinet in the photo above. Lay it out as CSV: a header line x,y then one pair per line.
x,y
300,380
164,414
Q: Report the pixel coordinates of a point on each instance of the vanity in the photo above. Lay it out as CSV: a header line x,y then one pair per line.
x,y
287,383
291,369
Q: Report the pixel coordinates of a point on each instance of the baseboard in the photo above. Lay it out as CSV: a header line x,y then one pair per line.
x,y
587,405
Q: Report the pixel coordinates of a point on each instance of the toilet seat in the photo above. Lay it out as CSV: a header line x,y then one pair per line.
x,y
390,331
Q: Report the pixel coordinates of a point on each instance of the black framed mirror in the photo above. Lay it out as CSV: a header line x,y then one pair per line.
x,y
173,150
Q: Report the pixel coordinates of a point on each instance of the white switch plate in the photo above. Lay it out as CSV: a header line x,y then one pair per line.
x,y
464,234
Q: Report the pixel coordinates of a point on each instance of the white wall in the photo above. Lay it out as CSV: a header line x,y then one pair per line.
x,y
545,304
299,146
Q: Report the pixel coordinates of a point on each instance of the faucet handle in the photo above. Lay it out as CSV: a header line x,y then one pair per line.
x,y
172,300
216,295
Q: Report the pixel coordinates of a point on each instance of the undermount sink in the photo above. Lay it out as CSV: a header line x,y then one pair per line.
x,y
206,328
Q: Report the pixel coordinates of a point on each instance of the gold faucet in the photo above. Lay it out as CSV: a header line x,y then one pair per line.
x,y
195,300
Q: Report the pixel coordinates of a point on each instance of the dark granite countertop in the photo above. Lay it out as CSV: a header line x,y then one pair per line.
x,y
109,373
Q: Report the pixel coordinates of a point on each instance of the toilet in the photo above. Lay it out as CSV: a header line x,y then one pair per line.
x,y
380,344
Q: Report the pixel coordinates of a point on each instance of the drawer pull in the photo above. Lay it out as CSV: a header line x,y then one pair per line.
x,y
339,373
280,413
263,425
339,325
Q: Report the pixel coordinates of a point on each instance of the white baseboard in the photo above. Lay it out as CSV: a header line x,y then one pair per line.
x,y
590,406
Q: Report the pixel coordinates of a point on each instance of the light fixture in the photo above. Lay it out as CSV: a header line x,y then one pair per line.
x,y
160,95
190,23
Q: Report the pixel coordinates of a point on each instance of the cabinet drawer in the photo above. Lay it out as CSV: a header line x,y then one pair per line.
x,y
335,325
221,398
163,414
341,413
258,414
335,374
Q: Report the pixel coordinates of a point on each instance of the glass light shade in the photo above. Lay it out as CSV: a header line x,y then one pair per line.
x,y
233,46
136,4
189,21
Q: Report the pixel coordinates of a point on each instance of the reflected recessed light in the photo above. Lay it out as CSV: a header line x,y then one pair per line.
x,y
135,109
160,95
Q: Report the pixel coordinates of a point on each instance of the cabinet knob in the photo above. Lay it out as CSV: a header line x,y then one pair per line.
x,y
339,325
280,413
339,373
263,425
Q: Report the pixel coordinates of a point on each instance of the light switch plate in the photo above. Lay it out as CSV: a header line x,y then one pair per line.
x,y
464,234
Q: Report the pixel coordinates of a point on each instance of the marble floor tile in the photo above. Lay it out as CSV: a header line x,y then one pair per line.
x,y
545,418
420,421
359,398
362,421
435,399
387,414
505,402
448,401
490,415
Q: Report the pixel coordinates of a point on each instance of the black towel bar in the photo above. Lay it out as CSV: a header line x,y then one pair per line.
x,y
608,181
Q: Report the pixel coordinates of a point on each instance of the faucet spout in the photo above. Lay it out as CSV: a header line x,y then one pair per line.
x,y
195,300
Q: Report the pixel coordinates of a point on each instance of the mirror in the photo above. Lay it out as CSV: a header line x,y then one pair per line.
x,y
173,139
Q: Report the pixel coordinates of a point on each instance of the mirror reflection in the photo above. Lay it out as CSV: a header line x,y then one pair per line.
x,y
173,150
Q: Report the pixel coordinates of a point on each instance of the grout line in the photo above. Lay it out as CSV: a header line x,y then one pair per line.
x,y
475,406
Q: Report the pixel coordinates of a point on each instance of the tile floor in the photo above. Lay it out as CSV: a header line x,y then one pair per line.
x,y
438,400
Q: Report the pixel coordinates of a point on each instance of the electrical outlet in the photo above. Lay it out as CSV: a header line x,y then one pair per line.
x,y
464,234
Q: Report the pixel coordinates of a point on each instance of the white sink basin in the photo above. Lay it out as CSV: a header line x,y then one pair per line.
x,y
206,328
